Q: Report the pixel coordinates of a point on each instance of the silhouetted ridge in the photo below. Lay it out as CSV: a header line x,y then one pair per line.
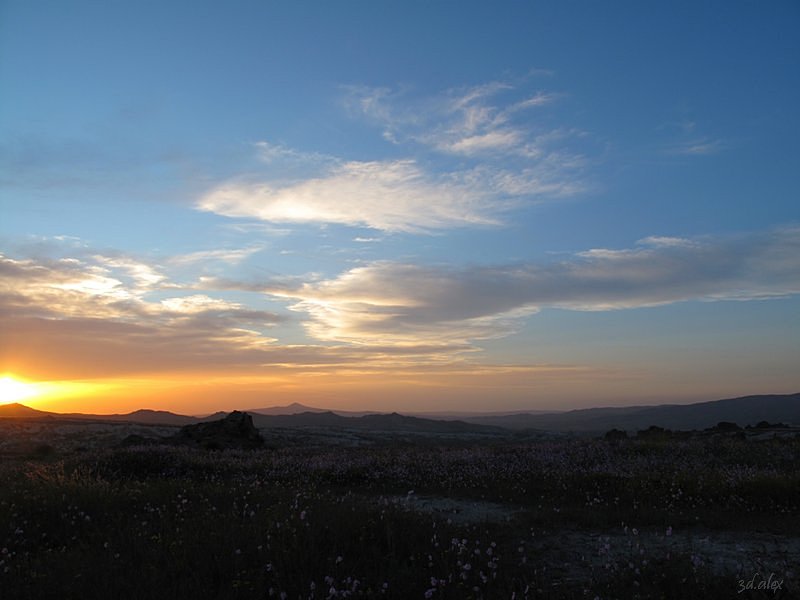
x,y
15,409
370,422
743,411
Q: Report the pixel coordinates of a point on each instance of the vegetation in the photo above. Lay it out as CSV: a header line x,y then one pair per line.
x,y
575,518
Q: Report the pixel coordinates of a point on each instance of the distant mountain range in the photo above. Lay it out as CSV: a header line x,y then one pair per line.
x,y
372,422
296,408
747,410
152,417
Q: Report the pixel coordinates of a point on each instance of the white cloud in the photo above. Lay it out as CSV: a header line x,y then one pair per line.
x,y
143,275
665,241
198,303
504,160
498,139
271,153
389,196
697,147
231,256
73,317
477,121
539,99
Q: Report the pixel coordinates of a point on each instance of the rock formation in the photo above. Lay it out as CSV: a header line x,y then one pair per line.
x,y
234,431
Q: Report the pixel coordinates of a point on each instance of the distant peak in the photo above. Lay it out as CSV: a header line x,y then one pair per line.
x,y
14,409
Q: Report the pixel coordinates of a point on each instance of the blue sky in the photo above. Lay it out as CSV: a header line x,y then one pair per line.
x,y
401,205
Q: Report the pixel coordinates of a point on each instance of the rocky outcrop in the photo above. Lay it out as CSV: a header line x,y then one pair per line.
x,y
234,431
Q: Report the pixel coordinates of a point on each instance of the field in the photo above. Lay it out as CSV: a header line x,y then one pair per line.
x,y
663,517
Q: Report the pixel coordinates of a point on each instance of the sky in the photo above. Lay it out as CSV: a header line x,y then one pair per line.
x,y
398,206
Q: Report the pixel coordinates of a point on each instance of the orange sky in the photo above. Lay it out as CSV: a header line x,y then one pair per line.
x,y
499,388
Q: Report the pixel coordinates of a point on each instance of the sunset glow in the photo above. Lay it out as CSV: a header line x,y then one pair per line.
x,y
13,390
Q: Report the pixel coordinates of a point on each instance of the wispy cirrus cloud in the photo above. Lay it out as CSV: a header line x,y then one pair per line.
x,y
505,160
478,121
697,147
688,141
230,256
401,303
385,195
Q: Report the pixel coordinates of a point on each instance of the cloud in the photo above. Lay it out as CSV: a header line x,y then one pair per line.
x,y
491,119
272,153
399,303
99,310
483,142
689,142
386,195
231,256
468,156
99,316
697,147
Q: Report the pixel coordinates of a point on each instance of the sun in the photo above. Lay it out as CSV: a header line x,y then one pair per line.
x,y
14,390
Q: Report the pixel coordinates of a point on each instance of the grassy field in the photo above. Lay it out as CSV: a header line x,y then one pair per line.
x,y
570,518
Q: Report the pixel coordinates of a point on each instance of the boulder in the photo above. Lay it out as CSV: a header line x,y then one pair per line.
x,y
236,431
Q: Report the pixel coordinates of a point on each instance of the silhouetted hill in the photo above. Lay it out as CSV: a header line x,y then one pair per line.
x,y
303,419
16,410
397,422
146,416
290,409
370,422
467,415
220,414
296,408
747,410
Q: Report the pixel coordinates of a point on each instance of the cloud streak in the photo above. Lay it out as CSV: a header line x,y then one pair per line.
x,y
399,303
484,121
98,316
